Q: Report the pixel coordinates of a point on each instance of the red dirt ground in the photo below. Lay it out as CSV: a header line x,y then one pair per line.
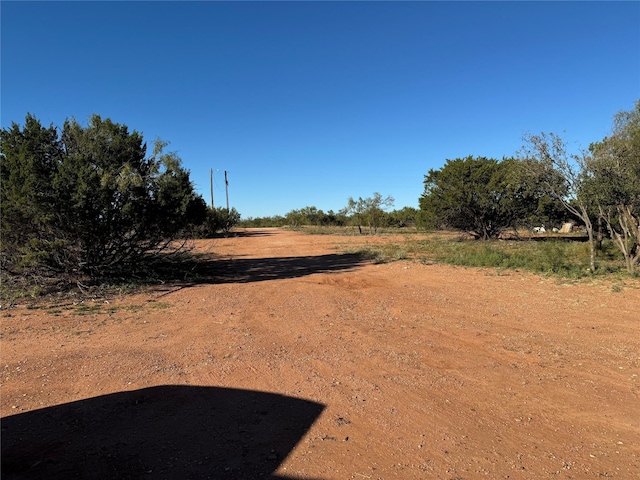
x,y
295,360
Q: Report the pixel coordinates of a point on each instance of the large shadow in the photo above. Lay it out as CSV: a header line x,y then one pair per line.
x,y
244,270
167,432
248,233
168,273
209,269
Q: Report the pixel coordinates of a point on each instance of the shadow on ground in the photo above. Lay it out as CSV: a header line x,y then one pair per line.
x,y
557,238
209,270
167,432
166,274
263,232
245,270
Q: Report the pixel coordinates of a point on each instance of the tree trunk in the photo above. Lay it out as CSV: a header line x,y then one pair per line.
x,y
592,247
627,237
592,251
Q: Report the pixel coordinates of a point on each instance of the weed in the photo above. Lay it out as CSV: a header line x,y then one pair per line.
x,y
12,291
381,254
159,305
84,309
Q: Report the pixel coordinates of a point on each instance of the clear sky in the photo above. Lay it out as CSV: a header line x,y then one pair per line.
x,y
309,103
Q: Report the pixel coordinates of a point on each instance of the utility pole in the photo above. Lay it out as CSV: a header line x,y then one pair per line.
x,y
226,184
211,183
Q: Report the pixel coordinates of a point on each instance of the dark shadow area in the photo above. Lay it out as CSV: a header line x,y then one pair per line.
x,y
564,238
247,233
167,432
166,274
246,270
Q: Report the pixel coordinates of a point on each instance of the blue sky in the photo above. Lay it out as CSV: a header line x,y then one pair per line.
x,y
309,103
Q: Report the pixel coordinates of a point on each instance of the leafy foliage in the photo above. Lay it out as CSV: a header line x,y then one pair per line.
x,y
312,216
405,217
614,183
219,220
561,175
480,196
602,184
369,211
29,159
90,198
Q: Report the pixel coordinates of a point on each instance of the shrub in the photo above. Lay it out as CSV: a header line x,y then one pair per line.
x,y
89,201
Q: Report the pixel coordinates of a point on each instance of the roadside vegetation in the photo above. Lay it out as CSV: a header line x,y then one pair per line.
x,y
545,189
546,256
84,206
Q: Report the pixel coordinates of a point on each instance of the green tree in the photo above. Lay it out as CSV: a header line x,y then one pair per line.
x,y
333,218
29,160
480,196
296,218
406,217
369,211
260,222
310,216
103,206
222,220
614,183
561,175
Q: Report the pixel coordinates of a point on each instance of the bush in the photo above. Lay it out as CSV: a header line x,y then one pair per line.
x,y
89,201
219,220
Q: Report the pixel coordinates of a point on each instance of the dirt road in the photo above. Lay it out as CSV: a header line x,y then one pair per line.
x,y
295,360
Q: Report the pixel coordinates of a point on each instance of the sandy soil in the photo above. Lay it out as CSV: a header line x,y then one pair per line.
x,y
295,360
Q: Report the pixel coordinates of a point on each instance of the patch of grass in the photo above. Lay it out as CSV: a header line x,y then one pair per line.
x,y
554,257
85,309
352,231
12,291
159,305
526,255
382,253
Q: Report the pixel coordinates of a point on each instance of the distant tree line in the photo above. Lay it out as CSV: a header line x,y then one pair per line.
x,y
366,214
